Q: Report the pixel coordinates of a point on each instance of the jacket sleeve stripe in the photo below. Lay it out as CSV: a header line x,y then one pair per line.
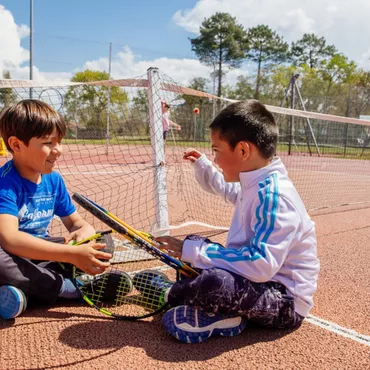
x,y
263,228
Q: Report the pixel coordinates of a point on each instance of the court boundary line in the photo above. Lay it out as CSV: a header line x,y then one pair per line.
x,y
339,330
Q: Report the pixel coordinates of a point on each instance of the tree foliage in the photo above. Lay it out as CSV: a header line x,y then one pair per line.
x,y
7,95
221,44
244,89
87,105
311,50
265,46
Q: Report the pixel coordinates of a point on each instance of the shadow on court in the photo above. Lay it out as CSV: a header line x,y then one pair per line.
x,y
113,335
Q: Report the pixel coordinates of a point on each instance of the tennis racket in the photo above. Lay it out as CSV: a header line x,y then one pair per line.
x,y
177,102
126,289
139,238
112,292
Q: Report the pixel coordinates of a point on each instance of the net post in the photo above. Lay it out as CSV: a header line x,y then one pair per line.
x,y
158,157
195,125
108,102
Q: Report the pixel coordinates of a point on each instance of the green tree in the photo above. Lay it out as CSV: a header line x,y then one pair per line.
x,y
359,93
312,88
140,112
7,95
275,84
265,47
221,43
311,50
199,84
335,73
184,114
88,104
243,89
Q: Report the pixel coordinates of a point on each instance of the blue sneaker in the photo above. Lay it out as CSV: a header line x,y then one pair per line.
x,y
152,284
190,325
12,302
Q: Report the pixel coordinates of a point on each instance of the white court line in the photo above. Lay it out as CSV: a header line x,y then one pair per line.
x,y
340,330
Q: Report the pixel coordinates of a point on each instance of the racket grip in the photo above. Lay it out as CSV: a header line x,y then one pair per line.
x,y
109,244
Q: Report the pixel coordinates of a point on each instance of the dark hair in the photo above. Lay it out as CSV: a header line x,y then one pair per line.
x,y
30,118
248,120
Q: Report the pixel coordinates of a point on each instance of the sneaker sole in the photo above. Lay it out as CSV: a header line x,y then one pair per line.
x,y
191,332
111,286
141,282
13,302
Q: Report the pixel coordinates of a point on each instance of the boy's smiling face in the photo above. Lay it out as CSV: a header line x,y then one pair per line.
x,y
39,157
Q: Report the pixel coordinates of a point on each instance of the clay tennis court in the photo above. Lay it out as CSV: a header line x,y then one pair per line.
x,y
335,336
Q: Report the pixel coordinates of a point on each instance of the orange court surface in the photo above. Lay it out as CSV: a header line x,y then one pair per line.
x,y
336,335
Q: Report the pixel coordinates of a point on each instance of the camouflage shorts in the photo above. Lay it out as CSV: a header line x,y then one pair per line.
x,y
216,290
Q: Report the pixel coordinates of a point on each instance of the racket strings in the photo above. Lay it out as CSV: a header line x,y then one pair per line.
x,y
93,290
125,296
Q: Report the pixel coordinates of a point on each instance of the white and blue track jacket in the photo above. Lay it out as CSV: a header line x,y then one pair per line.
x,y
271,237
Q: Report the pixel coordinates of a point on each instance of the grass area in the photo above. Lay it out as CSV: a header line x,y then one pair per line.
x,y
328,150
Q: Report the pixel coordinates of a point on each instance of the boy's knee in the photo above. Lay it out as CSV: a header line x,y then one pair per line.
x,y
217,279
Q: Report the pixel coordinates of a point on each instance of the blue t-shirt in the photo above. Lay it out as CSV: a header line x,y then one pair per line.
x,y
33,204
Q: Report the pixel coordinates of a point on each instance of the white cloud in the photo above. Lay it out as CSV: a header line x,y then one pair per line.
x,y
125,63
14,58
365,60
343,23
23,31
181,71
12,55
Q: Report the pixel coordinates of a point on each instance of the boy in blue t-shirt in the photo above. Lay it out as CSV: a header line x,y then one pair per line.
x,y
30,195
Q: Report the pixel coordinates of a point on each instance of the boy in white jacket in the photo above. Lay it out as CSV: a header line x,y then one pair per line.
x,y
267,272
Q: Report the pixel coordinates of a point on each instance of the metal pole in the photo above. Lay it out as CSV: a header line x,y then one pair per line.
x,y
214,92
347,115
195,126
31,45
109,96
292,99
308,121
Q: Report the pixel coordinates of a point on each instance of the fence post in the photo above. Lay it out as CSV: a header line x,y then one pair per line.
x,y
158,155
291,124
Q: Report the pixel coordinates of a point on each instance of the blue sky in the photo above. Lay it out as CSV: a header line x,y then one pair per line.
x,y
69,32
72,35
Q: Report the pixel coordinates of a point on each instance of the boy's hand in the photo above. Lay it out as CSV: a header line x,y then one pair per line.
x,y
86,257
170,244
178,127
192,155
80,234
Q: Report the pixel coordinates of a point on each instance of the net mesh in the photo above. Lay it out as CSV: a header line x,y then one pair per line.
x,y
110,153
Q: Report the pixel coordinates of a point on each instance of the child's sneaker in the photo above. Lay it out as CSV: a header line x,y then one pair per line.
x,y
12,302
107,287
190,325
152,284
